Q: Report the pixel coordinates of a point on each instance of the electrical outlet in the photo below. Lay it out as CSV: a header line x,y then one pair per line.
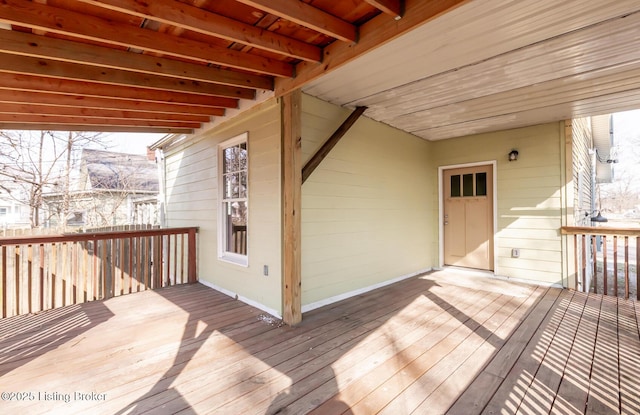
x,y
515,253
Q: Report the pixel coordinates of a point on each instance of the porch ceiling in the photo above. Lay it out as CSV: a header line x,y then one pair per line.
x,y
444,69
495,64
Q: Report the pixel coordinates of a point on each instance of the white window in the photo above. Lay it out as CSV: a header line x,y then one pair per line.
x,y
233,180
4,211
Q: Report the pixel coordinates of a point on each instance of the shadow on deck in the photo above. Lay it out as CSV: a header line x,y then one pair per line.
x,y
439,343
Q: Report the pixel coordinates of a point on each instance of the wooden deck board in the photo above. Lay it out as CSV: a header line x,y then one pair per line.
x,y
574,387
541,394
520,375
629,358
444,343
461,345
604,385
402,347
434,327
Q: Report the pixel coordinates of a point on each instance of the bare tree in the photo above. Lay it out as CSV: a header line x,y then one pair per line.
x,y
623,193
34,162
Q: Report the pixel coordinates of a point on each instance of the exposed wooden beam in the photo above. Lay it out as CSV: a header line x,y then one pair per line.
x,y
97,128
291,147
74,71
391,7
372,34
308,16
65,50
28,110
56,20
77,101
323,151
202,21
63,86
49,119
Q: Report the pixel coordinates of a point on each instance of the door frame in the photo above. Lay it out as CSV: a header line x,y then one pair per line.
x,y
441,169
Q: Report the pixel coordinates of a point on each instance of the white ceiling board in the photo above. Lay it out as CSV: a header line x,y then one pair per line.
x,y
578,52
577,87
495,61
625,101
471,33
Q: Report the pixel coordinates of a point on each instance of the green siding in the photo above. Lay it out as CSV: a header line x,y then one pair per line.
x,y
192,187
529,202
366,210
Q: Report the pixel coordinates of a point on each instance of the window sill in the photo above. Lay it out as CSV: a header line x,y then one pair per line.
x,y
240,260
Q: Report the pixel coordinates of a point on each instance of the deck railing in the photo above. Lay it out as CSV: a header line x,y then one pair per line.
x,y
606,260
44,272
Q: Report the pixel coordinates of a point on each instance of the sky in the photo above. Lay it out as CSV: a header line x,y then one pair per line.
x,y
133,143
626,136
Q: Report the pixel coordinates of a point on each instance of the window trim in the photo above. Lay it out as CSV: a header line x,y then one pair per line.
x,y
223,254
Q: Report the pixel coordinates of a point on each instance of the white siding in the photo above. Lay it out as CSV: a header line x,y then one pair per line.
x,y
529,201
192,200
582,169
366,210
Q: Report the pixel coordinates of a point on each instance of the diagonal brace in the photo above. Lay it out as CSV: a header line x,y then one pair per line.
x,y
317,158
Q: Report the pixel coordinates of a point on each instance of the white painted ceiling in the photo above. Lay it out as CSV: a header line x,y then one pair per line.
x,y
495,64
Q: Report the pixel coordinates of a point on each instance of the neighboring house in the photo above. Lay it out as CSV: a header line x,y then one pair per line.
x,y
112,189
384,204
603,143
13,214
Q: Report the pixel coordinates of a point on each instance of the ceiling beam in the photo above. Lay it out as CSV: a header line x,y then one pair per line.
x,y
46,18
308,16
28,44
74,71
94,128
63,86
192,18
94,103
40,109
391,7
49,119
372,34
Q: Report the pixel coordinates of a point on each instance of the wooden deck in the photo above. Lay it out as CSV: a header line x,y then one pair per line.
x,y
443,343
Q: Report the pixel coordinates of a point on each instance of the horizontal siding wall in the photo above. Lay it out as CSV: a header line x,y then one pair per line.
x,y
366,210
192,200
582,169
528,193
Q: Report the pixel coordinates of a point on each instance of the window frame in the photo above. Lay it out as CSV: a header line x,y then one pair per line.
x,y
223,253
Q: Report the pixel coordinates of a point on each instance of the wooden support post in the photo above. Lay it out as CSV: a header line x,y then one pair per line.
x,y
291,147
317,158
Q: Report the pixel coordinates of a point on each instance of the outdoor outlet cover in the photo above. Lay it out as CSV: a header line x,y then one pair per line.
x,y
515,253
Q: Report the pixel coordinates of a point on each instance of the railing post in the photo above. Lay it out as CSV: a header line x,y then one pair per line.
x,y
637,270
585,289
594,250
626,268
615,265
3,297
576,270
192,256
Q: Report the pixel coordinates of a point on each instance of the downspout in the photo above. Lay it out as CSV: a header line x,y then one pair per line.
x,y
162,188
